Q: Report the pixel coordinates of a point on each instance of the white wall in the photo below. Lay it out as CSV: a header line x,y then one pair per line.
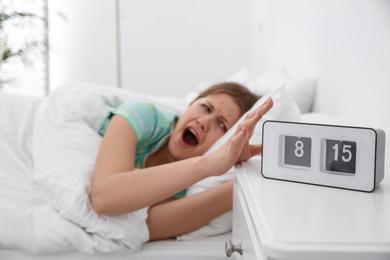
x,y
167,47
170,46
82,47
346,43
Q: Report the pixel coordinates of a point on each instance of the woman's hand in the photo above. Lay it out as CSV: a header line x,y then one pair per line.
x,y
237,147
248,151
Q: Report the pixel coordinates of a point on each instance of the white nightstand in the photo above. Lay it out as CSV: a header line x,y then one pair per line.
x,y
292,221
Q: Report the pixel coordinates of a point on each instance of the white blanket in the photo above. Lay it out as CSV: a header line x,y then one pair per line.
x,y
56,141
62,148
26,221
64,154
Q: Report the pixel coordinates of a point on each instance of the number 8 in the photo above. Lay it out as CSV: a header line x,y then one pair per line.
x,y
299,149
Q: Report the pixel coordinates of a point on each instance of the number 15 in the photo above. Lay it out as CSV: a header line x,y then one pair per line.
x,y
346,150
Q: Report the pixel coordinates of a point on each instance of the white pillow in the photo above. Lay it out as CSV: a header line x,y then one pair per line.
x,y
321,118
284,109
302,90
245,77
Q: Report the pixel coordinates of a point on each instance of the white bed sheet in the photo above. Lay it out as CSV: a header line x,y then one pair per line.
x,y
210,248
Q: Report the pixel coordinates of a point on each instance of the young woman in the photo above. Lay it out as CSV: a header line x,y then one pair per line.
x,y
148,158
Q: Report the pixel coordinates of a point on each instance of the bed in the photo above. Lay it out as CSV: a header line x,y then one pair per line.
x,y
33,224
45,209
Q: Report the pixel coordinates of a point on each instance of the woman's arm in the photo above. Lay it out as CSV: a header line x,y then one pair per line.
x,y
180,216
118,189
177,217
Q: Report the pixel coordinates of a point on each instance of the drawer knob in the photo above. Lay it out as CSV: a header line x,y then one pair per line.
x,y
230,248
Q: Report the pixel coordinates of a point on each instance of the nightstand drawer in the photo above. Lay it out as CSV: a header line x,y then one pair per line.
x,y
243,231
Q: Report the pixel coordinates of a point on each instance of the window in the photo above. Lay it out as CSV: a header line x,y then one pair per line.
x,y
24,47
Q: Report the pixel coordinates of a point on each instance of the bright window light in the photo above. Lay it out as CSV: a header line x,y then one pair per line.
x,y
23,47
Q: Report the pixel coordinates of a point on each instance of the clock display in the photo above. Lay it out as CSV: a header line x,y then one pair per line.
x,y
340,156
297,151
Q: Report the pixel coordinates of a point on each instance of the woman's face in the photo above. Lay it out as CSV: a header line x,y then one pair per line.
x,y
206,120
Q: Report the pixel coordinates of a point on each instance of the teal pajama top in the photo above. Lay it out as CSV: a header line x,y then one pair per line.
x,y
151,125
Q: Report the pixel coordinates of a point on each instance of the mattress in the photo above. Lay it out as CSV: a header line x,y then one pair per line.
x,y
209,248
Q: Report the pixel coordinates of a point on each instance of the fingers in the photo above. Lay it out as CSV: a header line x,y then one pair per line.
x,y
264,108
239,139
267,105
254,116
261,110
248,125
240,146
255,149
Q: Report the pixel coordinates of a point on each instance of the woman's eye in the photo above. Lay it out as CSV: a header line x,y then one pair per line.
x,y
206,108
223,126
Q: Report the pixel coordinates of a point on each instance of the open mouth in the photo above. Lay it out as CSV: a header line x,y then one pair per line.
x,y
189,137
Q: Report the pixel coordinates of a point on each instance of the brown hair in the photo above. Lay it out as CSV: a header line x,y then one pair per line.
x,y
244,98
